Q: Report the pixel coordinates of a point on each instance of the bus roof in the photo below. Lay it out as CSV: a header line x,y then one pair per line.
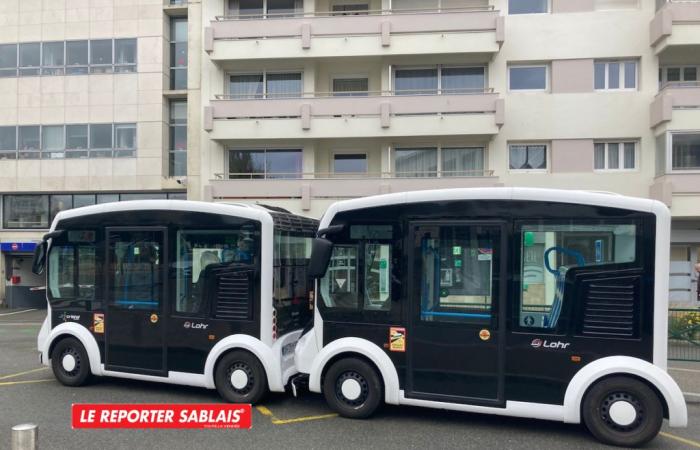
x,y
606,199
239,210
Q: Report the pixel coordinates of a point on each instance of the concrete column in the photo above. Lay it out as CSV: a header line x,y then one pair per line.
x,y
308,165
386,160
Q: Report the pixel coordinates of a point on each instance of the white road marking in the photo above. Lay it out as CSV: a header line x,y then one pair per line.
x,y
17,312
681,369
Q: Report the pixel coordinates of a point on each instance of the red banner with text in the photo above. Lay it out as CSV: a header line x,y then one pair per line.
x,y
161,415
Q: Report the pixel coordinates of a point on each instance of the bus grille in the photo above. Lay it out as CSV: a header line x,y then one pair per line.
x,y
611,306
234,294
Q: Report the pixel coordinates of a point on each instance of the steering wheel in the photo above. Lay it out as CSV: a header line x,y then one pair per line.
x,y
579,257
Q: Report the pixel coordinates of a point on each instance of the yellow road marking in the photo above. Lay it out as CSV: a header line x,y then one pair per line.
x,y
275,421
5,377
10,383
690,442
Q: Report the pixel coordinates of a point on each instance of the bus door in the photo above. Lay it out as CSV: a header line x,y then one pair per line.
x,y
455,334
135,281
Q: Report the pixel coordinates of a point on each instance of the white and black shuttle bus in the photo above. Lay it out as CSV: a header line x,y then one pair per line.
x,y
201,294
511,301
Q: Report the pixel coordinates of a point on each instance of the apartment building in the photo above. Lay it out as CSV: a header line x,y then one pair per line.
x,y
309,101
93,108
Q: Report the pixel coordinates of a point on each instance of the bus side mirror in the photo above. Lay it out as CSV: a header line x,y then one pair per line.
x,y
39,261
321,250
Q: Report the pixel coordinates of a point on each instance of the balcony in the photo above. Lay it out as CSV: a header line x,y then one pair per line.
x,y
317,186
680,192
676,96
379,114
377,33
675,26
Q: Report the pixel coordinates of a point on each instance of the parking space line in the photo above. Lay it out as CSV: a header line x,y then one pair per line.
x,y
5,377
11,383
275,421
689,442
682,369
17,312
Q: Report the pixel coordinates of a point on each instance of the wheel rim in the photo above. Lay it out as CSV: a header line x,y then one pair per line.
x,y
240,378
70,361
622,411
352,389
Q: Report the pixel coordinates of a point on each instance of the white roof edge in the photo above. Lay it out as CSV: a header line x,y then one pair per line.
x,y
245,211
582,197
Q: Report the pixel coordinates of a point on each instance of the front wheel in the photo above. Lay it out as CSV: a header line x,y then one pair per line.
x,y
240,378
70,362
622,411
353,388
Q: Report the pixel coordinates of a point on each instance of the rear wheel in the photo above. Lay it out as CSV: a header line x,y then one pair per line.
x,y
353,388
622,411
240,378
70,362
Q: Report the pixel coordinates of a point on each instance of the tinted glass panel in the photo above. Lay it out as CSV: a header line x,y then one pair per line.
x,y
599,75
101,51
463,79
528,78
350,164
350,86
416,162
415,81
76,57
527,6
686,151
77,137
26,211
8,138
246,86
283,163
101,136
246,164
135,275
53,54
8,60
339,285
284,85
29,138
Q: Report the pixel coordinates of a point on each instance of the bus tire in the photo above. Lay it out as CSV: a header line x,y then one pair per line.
x,y
240,378
622,411
70,362
353,388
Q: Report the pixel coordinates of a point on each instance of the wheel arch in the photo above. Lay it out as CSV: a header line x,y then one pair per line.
x,y
661,382
79,332
356,347
262,352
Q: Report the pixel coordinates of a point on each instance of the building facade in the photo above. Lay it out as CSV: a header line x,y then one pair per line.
x,y
94,109
305,102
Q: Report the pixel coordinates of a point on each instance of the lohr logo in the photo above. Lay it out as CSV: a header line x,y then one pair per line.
x,y
195,326
537,343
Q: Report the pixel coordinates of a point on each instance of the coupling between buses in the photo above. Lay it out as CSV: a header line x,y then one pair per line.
x,y
192,293
546,304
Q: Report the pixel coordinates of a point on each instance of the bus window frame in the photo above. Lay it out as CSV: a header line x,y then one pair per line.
x,y
566,325
97,299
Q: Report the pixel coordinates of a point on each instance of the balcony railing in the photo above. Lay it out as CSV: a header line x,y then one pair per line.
x,y
352,176
358,13
354,94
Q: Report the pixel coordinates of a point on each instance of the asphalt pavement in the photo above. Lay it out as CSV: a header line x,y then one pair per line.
x,y
29,393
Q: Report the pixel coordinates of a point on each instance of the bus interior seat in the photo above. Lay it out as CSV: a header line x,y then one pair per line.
x,y
550,320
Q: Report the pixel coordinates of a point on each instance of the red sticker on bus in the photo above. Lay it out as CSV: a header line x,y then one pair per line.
x,y
159,415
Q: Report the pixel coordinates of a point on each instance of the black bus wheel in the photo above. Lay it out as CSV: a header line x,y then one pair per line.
x,y
622,411
240,378
353,388
70,362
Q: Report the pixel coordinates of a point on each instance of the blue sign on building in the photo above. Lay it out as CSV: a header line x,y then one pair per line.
x,y
17,247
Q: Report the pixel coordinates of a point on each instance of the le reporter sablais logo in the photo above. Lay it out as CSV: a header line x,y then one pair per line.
x,y
194,415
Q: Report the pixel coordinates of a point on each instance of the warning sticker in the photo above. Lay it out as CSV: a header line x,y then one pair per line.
x,y
98,323
397,339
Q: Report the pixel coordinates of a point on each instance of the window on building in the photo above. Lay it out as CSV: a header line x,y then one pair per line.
x,y
615,156
462,79
678,75
283,85
350,163
76,141
77,57
350,9
29,58
101,140
52,58
265,163
8,60
416,162
615,75
29,141
416,81
124,140
26,211
462,161
124,55
685,151
80,200
439,79
350,87
247,9
52,142
527,78
178,53
528,6
284,8
528,157
178,138
8,142
246,86
266,85
101,56
256,9
58,203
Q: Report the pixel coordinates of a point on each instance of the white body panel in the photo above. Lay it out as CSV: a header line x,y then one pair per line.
x,y
312,356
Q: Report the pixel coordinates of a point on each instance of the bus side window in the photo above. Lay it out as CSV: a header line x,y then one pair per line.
x,y
73,267
339,286
200,255
377,277
549,252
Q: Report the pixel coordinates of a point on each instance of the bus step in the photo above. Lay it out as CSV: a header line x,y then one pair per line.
x,y
299,381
